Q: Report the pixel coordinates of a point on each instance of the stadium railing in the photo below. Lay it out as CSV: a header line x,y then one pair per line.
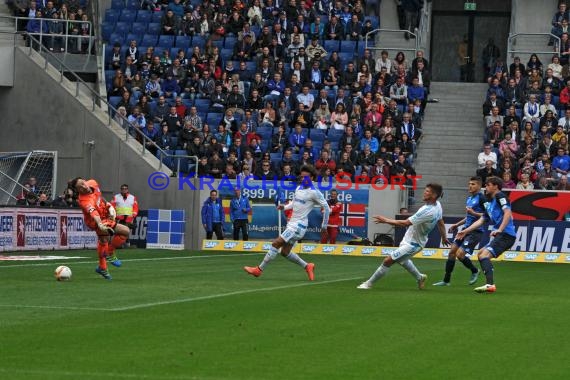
x,y
370,36
520,37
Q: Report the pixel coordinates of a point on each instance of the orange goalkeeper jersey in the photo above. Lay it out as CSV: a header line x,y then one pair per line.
x,y
93,204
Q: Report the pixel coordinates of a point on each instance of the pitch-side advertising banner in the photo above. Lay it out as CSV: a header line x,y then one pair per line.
x,y
532,236
264,217
23,229
353,250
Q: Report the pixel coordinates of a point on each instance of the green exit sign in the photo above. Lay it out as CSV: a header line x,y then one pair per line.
x,y
470,6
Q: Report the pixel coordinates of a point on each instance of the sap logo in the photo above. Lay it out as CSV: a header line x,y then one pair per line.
x,y
328,248
368,251
348,249
230,245
428,252
531,256
387,251
511,256
248,246
445,253
211,244
568,258
551,257
308,248
266,246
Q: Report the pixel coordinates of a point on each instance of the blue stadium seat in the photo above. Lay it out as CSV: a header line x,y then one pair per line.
x,y
134,4
133,36
375,21
114,100
275,156
265,133
229,42
183,42
335,135
166,41
153,28
331,45
157,49
144,16
139,27
198,41
117,38
112,15
128,15
106,30
122,27
157,16
118,4
345,57
348,46
214,118
317,135
149,40
202,105
218,43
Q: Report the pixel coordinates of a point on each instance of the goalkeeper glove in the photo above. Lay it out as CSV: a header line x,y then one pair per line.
x,y
112,211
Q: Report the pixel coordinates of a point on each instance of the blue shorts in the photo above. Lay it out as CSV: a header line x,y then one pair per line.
x,y
500,244
469,242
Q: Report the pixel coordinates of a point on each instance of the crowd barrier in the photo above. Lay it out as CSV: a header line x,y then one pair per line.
x,y
376,251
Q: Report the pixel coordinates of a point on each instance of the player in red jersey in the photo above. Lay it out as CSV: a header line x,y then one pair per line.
x,y
334,219
99,215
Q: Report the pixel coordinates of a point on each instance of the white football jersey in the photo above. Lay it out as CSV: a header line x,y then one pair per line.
x,y
423,222
303,202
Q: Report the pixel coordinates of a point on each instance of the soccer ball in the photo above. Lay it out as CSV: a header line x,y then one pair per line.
x,y
62,273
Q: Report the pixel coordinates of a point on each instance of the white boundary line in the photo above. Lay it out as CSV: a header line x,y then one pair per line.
x,y
182,300
125,260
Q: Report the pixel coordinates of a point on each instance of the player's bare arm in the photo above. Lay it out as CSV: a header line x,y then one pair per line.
x,y
441,227
455,226
461,234
379,219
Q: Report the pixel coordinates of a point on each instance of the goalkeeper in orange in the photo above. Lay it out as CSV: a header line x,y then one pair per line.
x,y
99,215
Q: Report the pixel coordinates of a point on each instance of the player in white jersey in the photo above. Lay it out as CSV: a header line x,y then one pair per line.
x,y
419,227
305,199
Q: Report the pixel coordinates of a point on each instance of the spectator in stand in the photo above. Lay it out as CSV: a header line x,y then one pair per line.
x,y
494,117
512,94
564,49
487,171
491,102
169,23
561,163
494,134
563,184
548,110
508,182
486,155
325,162
556,67
531,111
508,143
524,183
297,139
558,22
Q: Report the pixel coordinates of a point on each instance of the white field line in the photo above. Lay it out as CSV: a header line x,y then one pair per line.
x,y
182,300
239,292
125,260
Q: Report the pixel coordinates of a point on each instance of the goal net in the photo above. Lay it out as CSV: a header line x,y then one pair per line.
x,y
20,168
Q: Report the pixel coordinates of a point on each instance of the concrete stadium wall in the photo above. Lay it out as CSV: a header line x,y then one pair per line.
x,y
42,114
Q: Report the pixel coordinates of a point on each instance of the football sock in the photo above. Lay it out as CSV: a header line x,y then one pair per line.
x,y
102,253
270,255
380,272
468,264
118,240
487,267
449,265
294,258
410,267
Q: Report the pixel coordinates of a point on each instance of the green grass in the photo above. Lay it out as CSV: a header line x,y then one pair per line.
x,y
178,316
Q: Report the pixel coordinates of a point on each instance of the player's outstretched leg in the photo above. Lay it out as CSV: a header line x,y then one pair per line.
x,y
269,256
382,270
487,267
466,261
121,233
102,253
413,270
294,258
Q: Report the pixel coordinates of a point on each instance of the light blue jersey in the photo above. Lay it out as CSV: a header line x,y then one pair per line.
x,y
423,222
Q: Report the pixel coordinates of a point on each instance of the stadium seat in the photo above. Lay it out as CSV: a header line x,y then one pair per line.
x,y
317,135
128,15
345,57
118,4
139,27
157,16
106,30
348,46
134,5
275,156
331,45
144,16
199,41
183,42
122,27
149,40
133,36
166,41
229,42
214,118
117,38
202,105
153,28
112,16
335,135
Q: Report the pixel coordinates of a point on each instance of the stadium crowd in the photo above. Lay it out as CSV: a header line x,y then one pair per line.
x,y
262,88
53,22
527,118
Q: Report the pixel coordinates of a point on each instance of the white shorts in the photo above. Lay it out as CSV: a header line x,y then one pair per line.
x,y
293,233
405,251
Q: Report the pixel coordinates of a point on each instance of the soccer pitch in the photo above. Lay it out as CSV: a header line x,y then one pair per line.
x,y
180,315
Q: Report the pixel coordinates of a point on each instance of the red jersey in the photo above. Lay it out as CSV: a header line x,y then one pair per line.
x,y
334,216
93,204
